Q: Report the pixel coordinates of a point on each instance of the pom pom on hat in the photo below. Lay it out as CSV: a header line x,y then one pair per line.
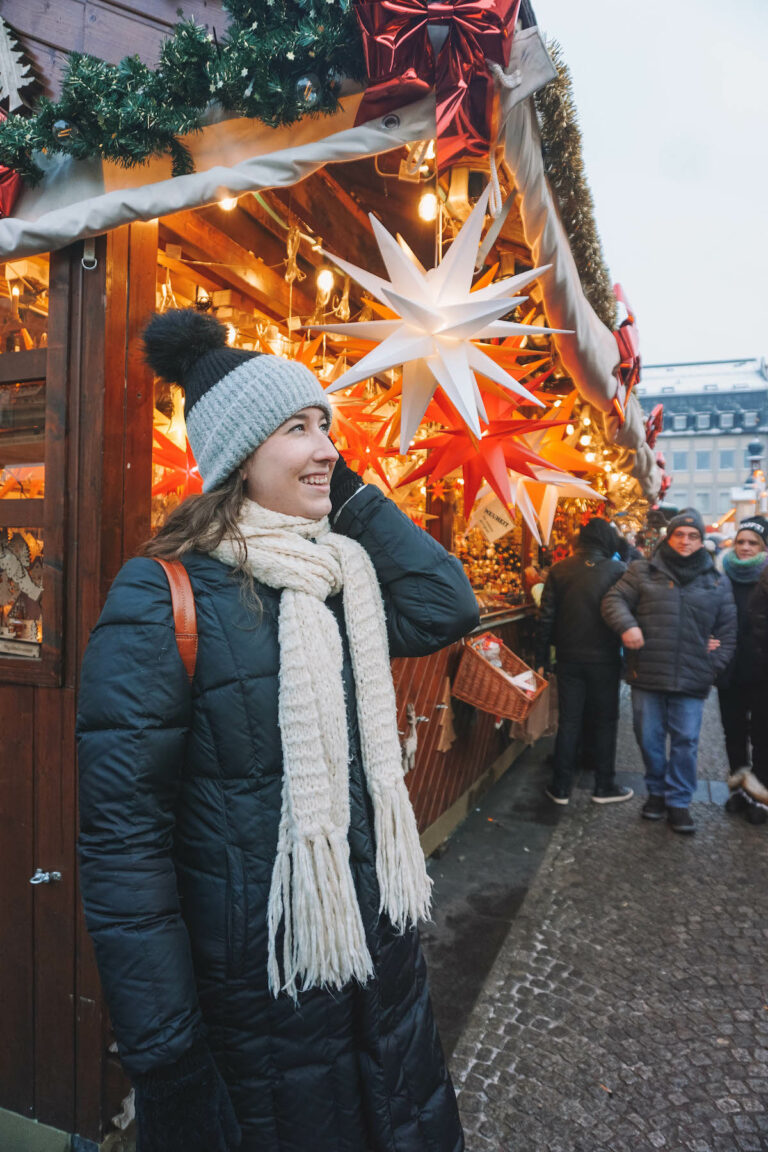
x,y
233,399
176,340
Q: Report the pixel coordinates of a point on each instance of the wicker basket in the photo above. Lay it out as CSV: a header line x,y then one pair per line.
x,y
478,682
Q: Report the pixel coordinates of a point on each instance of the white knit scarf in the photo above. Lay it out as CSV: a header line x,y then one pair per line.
x,y
312,890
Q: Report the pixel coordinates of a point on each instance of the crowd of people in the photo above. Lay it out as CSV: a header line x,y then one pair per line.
x,y
676,622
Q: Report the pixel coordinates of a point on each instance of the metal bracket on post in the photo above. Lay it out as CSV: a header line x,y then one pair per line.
x,y
89,261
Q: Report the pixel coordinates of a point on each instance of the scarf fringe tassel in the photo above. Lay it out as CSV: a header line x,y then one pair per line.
x,y
406,888
313,892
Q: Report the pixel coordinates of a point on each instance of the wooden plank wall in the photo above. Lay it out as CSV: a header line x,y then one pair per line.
x,y
101,27
438,779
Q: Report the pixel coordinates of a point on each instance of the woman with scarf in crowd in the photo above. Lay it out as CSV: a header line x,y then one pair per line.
x,y
742,687
250,863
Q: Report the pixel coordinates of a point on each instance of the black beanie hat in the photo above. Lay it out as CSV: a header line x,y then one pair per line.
x,y
756,524
599,534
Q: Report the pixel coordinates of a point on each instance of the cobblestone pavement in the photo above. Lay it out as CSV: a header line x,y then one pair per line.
x,y
627,1009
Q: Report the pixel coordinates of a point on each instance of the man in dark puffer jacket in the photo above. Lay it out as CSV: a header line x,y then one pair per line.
x,y
677,621
588,660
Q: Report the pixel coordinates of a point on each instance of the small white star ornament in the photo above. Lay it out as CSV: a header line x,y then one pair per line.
x,y
438,318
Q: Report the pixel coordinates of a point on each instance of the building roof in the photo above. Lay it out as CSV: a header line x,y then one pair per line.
x,y
660,381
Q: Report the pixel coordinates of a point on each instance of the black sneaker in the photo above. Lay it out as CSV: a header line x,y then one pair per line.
x,y
655,808
680,820
756,814
736,802
557,795
612,794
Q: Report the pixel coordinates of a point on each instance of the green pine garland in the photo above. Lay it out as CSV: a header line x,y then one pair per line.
x,y
278,61
564,166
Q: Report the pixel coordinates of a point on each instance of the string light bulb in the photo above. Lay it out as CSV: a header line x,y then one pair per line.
x,y
585,440
586,421
325,281
231,334
589,457
556,403
428,206
228,203
569,429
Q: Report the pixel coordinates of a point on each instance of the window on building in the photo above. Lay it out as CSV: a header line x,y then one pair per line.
x,y
750,419
726,419
32,464
727,459
679,461
724,500
703,461
702,501
679,422
702,420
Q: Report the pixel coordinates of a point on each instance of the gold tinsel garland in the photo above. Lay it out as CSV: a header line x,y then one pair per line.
x,y
564,166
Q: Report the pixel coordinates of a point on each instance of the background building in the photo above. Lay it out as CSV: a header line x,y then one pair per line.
x,y
712,411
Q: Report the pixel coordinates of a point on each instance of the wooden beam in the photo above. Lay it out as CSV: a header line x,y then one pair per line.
x,y
343,227
237,266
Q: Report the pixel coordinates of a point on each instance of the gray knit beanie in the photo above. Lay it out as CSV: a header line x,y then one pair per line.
x,y
233,399
688,518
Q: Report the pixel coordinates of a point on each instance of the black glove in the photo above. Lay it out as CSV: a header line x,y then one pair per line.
x,y
185,1107
344,483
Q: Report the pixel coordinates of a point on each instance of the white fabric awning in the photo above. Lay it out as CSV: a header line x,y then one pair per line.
x,y
79,199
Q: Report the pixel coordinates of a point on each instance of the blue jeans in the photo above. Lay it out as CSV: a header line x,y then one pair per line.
x,y
656,716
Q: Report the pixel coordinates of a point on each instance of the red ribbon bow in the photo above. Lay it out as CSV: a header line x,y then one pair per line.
x,y
403,64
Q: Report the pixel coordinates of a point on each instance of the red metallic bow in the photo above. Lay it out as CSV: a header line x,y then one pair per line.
x,y
403,65
628,369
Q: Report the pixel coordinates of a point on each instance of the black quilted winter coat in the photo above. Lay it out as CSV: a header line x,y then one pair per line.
x,y
179,804
677,621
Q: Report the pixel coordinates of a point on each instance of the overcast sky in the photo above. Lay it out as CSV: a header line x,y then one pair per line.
x,y
673,104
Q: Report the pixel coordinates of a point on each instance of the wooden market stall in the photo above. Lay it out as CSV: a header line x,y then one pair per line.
x,y
93,454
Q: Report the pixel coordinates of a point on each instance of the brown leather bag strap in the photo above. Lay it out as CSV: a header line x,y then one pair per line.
x,y
184,614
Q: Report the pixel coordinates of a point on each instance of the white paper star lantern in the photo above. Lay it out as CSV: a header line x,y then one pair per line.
x,y
438,318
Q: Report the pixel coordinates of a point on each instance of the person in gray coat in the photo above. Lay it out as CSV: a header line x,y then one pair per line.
x,y
676,618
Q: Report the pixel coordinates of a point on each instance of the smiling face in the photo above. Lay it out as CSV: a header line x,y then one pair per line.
x,y
685,541
747,544
291,471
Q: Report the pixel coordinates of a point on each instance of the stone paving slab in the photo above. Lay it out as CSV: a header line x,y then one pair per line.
x,y
627,1009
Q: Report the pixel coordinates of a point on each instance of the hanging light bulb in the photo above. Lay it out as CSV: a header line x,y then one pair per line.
x,y
569,429
428,206
325,281
228,203
586,421
589,457
608,467
556,403
584,440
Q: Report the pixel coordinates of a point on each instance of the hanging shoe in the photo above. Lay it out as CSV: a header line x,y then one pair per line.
x,y
680,820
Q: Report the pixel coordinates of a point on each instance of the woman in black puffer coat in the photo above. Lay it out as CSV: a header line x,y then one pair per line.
x,y
257,1003
742,687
